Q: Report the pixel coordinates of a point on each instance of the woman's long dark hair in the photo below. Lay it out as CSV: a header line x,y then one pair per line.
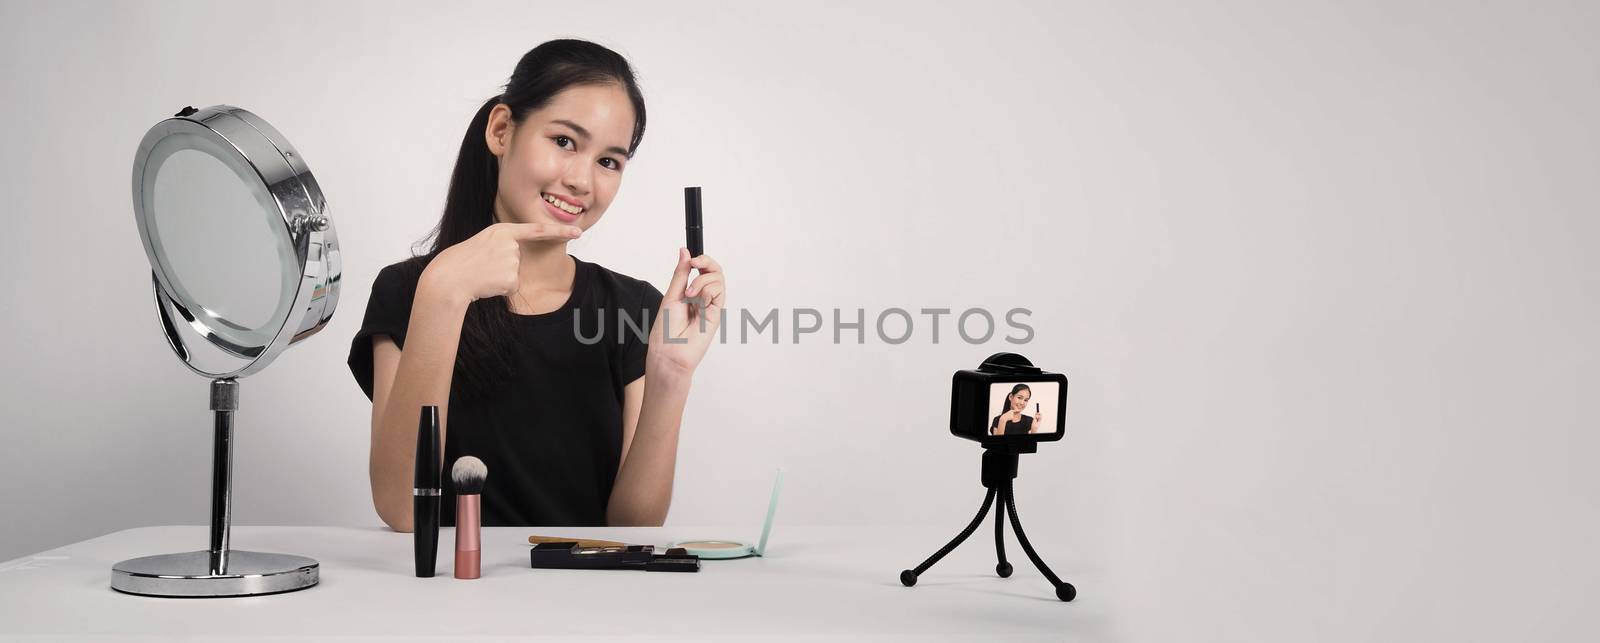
x,y
482,361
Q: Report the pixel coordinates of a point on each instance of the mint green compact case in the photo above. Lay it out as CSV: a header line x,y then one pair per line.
x,y
714,549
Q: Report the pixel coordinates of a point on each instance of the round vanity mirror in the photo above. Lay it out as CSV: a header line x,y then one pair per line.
x,y
244,259
244,263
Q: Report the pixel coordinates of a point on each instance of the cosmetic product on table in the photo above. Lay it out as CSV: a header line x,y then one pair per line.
x,y
734,549
571,555
425,494
469,474
582,542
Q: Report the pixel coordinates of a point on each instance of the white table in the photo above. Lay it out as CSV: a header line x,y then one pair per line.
x,y
814,582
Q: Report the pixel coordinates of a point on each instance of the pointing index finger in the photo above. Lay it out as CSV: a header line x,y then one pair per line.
x,y
535,231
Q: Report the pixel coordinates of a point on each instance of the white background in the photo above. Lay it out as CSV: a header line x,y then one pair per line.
x,y
1321,274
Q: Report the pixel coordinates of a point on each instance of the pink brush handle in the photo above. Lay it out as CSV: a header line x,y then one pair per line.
x,y
468,548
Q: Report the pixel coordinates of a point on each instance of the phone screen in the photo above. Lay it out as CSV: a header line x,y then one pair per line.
x,y
1008,402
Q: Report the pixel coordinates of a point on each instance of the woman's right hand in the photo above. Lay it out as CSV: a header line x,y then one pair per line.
x,y
487,264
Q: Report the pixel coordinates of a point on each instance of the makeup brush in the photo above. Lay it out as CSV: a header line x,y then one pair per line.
x,y
469,474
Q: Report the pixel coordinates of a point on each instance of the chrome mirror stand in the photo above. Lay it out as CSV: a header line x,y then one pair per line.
x,y
217,571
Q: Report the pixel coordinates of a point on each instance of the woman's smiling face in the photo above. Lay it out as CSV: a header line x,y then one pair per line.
x,y
573,150
1020,400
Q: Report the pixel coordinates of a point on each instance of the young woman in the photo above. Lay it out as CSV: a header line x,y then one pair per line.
x,y
1011,420
534,357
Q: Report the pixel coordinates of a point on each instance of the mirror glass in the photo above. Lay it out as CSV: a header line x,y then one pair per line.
x,y
220,240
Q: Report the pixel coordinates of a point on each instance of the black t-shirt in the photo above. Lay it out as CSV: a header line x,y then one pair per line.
x,y
1013,428
552,434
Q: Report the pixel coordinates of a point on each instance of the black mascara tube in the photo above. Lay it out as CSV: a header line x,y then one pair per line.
x,y
425,495
691,221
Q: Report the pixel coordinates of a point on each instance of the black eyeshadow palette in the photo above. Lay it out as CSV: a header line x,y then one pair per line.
x,y
569,555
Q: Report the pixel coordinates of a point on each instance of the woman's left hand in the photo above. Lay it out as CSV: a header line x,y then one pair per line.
x,y
690,327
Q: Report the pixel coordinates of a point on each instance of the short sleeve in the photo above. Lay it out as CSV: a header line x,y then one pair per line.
x,y
388,312
634,348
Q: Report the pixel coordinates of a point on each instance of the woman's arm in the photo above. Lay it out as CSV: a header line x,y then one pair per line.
x,y
653,404
652,414
486,265
404,382
1006,420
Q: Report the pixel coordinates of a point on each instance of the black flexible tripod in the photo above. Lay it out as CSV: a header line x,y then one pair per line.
x,y
999,468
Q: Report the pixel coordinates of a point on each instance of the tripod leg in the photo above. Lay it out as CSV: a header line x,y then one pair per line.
x,y
1003,568
908,577
1064,591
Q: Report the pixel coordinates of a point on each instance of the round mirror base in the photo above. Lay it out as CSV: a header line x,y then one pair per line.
x,y
189,575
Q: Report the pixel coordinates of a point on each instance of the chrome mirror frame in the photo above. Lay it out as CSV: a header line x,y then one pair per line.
x,y
305,222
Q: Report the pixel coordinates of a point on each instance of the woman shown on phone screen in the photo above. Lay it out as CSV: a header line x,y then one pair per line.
x,y
554,371
1011,420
